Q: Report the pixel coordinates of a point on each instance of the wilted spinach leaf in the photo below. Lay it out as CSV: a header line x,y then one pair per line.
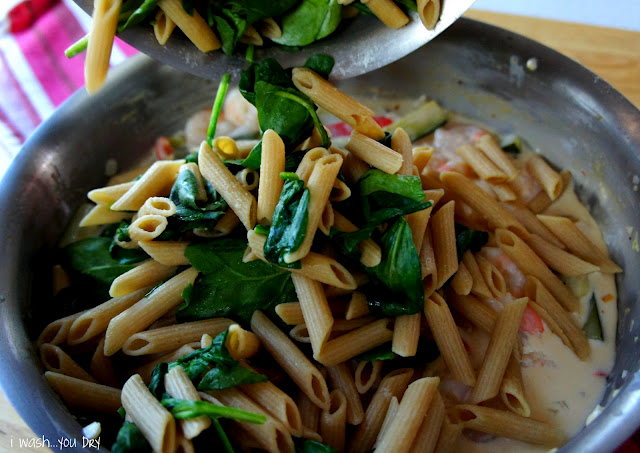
x,y
130,440
593,327
467,239
320,63
188,213
309,21
312,446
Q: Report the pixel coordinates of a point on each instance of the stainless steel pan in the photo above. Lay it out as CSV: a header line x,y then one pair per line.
x,y
578,120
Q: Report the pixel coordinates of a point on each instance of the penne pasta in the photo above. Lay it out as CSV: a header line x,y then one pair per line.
x,y
179,386
56,360
428,432
157,181
429,12
193,26
277,403
163,27
367,375
559,260
101,35
241,343
547,177
84,395
101,367
374,153
315,310
333,421
167,253
406,333
444,243
388,12
101,214
512,389
270,186
341,378
147,273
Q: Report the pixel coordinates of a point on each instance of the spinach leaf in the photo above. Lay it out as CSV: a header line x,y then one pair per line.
x,y
190,215
382,352
222,377
182,410
289,224
312,446
227,286
130,440
593,327
192,158
321,64
511,144
379,181
395,286
467,239
141,13
120,254
309,21
230,26
156,386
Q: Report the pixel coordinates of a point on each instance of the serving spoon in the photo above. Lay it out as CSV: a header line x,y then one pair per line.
x,y
360,45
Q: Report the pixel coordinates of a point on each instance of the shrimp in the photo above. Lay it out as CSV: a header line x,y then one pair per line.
x,y
513,276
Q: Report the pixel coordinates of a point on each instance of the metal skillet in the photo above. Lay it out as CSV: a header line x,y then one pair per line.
x,y
578,120
359,46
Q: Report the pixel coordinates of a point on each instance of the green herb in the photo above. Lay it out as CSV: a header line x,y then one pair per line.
x,y
130,440
312,446
289,175
289,223
217,107
395,285
259,229
310,21
190,215
511,144
226,443
256,10
192,158
250,53
593,327
467,239
77,47
156,385
408,4
228,286
320,63
186,295
182,410
382,352
230,25
223,378
140,14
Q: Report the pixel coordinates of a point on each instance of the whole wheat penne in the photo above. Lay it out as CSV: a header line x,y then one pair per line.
x,y
404,426
154,421
219,176
504,192
429,12
493,278
336,102
166,339
530,264
147,227
393,384
478,200
559,260
388,12
291,359
327,219
392,411
367,374
406,333
428,432
290,313
147,273
309,412
84,395
479,286
248,178
179,386
163,27
277,403
429,270
55,359
444,242
357,306
251,36
145,370
93,322
492,150
141,315
512,390
374,153
474,310
506,424
168,253
421,157
462,281
446,334
401,143
551,323
333,421
269,28
315,310
340,191
109,194
193,26
503,340
101,367
162,206
272,164
579,244
223,227
341,378
418,224
241,343
320,183
355,342
531,222
547,177
481,164
101,214
305,167
56,332
353,168
157,181
449,434
370,251
103,31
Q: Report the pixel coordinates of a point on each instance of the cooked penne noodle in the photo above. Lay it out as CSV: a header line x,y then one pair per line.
x,y
141,315
341,378
462,281
406,333
269,28
320,183
248,178
109,194
530,264
161,206
101,367
223,227
421,157
84,395
374,153
579,244
59,279
56,332
388,418
531,222
291,359
56,360
219,176
503,340
333,421
547,177
271,165
93,322
168,253
551,323
370,251
101,35
512,389
481,164
147,273
154,421
418,224
479,286
157,181
169,338
506,424
163,27
226,148
305,167
389,13
277,403
492,150
493,278
184,445
241,343
340,191
429,270
404,426
474,310
336,102
101,214
353,168
315,310
504,192
449,435
290,313
357,306
179,386
393,385
401,143
447,337
428,432
559,260
193,26
145,370
147,227
327,219
251,36
444,242
355,342
367,374
429,12
309,412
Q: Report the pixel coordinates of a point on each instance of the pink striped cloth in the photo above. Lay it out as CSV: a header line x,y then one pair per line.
x,y
35,75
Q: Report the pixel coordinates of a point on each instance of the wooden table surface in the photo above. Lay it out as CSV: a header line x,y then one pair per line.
x,y
611,53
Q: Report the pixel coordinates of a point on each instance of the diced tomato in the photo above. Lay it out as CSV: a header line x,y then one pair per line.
x,y
382,120
339,129
163,149
479,134
600,374
461,168
531,322
607,298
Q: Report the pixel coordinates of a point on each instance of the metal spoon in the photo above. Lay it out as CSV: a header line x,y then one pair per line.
x,y
360,45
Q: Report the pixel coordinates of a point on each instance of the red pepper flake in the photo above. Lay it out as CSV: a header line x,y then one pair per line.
x,y
382,120
600,374
339,129
531,322
607,298
163,149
